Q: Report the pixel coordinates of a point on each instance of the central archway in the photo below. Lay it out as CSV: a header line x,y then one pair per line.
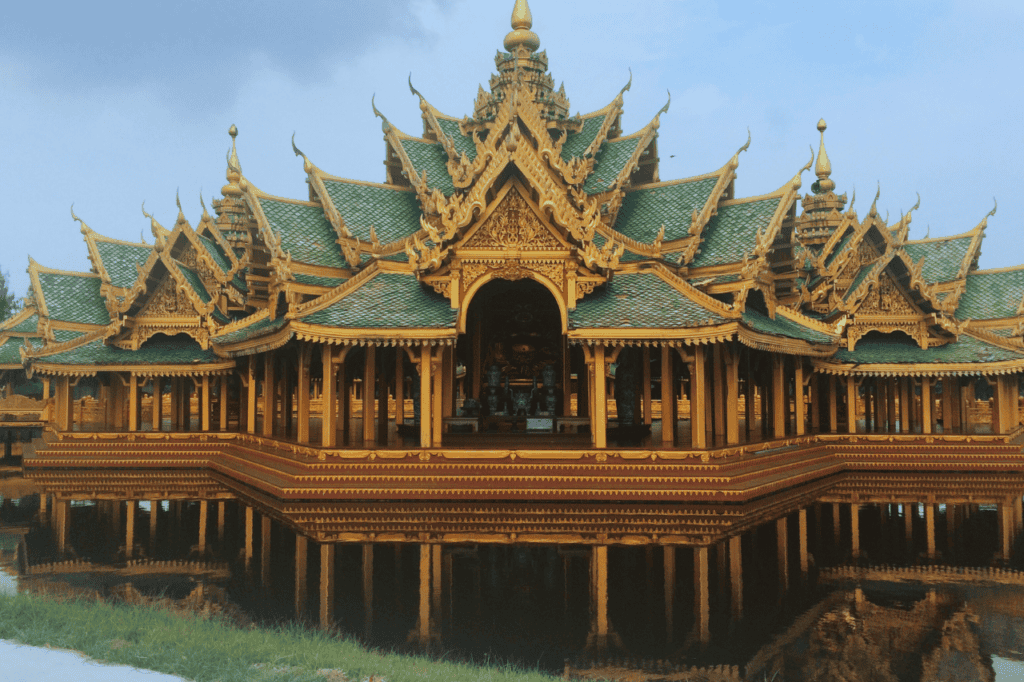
x,y
514,350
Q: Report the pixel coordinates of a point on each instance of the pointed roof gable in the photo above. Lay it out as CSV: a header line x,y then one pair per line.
x,y
68,297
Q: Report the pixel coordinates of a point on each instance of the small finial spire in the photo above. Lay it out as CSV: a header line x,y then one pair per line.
x,y
823,168
521,35
234,172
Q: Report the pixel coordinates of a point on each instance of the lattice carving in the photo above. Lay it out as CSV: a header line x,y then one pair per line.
x,y
168,300
886,299
513,225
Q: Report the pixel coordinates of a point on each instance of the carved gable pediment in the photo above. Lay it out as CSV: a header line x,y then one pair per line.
x,y
168,300
513,224
886,298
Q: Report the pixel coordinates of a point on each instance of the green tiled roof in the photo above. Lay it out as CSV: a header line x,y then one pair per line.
x,y
782,326
176,350
611,159
897,348
733,231
640,300
216,253
990,296
388,301
9,353
65,335
576,143
119,260
257,328
305,233
644,211
430,157
943,258
195,282
239,283
393,213
74,298
464,144
313,280
27,326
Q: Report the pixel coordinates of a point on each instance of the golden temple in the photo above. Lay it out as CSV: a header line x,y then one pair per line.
x,y
523,335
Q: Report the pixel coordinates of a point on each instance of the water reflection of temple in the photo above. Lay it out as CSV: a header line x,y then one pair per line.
x,y
644,580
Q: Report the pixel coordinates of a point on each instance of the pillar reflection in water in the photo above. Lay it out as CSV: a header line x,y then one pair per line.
x,y
518,598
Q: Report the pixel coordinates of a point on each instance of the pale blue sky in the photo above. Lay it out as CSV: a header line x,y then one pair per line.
x,y
109,104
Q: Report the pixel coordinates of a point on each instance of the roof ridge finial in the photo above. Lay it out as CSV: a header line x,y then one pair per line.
x,y
234,172
85,228
521,35
823,168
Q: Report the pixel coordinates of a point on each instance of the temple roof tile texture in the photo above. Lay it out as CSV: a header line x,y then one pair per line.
x,y
638,301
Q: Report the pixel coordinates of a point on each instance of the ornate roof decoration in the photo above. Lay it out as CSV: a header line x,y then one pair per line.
x,y
520,190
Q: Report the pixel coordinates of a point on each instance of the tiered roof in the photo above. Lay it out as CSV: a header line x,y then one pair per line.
x,y
524,189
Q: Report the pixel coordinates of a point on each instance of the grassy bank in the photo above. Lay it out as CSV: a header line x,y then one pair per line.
x,y
210,649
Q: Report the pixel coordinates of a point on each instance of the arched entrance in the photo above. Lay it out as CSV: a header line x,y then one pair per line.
x,y
515,357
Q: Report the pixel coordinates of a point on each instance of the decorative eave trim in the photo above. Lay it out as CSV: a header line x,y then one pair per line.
x,y
242,323
258,344
805,321
223,367
784,344
676,336
373,336
696,295
920,369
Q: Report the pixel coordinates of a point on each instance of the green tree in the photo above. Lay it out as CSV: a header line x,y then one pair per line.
x,y
9,303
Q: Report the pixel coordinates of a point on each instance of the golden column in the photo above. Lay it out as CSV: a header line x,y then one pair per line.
x,y
426,421
799,406
780,405
668,398
269,394
736,574
328,398
927,405
701,596
369,395
302,392
600,415
326,586
301,566
698,399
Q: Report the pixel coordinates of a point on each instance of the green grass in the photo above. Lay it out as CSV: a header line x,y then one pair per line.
x,y
210,649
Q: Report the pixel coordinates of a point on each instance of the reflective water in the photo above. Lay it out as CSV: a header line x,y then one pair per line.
x,y
816,587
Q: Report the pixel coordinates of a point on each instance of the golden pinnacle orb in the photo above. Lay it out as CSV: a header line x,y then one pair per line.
x,y
823,168
521,35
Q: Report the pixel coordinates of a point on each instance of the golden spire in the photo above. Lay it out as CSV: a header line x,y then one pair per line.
x,y
521,35
234,172
823,168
